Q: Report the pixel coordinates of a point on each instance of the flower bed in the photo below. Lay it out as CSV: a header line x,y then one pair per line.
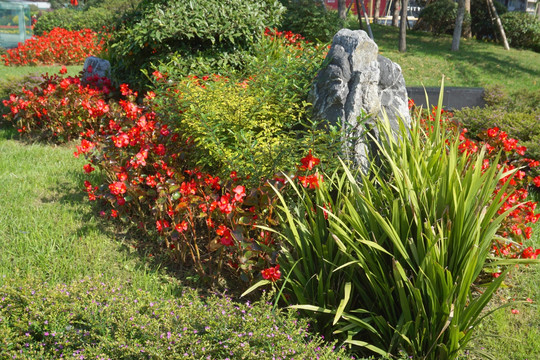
x,y
59,46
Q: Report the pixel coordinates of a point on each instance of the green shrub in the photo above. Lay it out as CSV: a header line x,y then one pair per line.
x,y
310,19
482,26
440,16
522,30
100,319
71,19
388,259
524,100
255,126
203,37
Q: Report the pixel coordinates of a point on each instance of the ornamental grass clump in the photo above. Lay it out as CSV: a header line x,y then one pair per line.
x,y
387,260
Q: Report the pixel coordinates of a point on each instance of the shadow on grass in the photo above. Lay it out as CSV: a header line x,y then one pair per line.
x,y
148,252
473,56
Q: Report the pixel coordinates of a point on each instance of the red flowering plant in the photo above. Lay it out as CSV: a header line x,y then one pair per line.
x,y
203,220
59,46
515,229
59,109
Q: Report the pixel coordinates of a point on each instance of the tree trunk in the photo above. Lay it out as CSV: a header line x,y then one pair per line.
x,y
458,26
538,9
499,24
359,14
403,27
395,12
377,11
342,9
467,32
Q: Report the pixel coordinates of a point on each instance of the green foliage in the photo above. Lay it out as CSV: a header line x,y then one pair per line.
x,y
202,36
71,19
96,318
402,246
309,18
482,26
522,30
440,16
257,126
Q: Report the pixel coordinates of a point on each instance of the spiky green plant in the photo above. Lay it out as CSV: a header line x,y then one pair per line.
x,y
394,263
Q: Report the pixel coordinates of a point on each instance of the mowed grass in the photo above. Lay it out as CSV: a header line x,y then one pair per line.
x,y
476,64
10,73
50,232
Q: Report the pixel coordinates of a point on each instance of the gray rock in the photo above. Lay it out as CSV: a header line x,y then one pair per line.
x,y
356,86
99,67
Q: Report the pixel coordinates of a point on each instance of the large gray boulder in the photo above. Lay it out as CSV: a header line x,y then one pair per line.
x,y
355,88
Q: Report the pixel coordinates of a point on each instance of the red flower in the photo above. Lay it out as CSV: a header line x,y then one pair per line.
x,y
239,193
181,227
493,132
311,180
63,70
162,225
273,274
157,75
309,161
117,188
537,181
88,168
74,2
225,233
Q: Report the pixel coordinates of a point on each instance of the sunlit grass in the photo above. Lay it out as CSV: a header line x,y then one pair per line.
x,y
476,64
49,230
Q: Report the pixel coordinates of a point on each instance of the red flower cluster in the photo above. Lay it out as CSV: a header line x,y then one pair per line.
x,y
59,46
60,108
288,37
273,274
521,212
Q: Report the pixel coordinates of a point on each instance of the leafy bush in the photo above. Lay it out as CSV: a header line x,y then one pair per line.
x,y
388,259
482,26
99,319
440,16
71,19
203,37
310,19
522,30
253,126
59,46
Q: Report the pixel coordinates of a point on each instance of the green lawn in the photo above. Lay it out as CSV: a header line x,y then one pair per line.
x,y
49,230
476,64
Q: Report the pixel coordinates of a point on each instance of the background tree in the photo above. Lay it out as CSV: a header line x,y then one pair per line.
x,y
377,11
395,12
495,17
459,23
342,9
403,27
467,31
